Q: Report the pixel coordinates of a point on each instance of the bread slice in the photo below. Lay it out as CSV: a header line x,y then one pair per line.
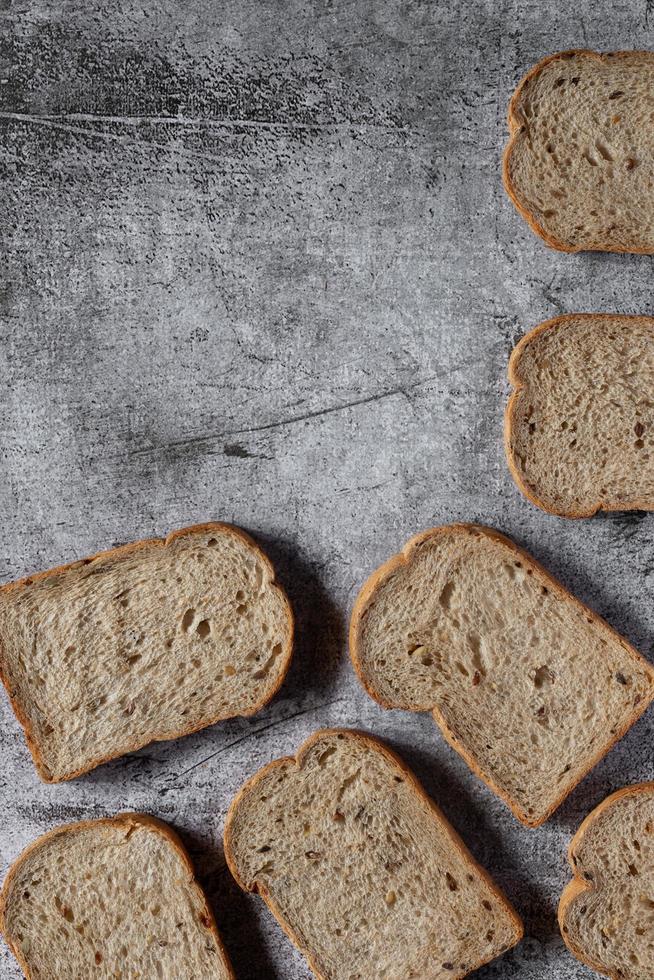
x,y
579,165
525,682
150,641
579,430
606,913
361,869
110,898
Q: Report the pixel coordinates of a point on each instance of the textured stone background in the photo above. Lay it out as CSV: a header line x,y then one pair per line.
x,y
258,266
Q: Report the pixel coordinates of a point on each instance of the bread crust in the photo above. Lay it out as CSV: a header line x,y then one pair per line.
x,y
579,884
410,777
212,527
515,124
366,597
510,416
126,820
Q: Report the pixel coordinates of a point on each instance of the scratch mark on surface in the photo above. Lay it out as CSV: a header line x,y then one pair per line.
x,y
61,119
293,420
259,731
240,452
125,140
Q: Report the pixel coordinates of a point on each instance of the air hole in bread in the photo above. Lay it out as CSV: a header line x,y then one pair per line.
x,y
322,758
542,676
275,652
603,150
203,629
188,619
445,598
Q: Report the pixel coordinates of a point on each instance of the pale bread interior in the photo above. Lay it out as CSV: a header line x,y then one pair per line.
x,y
110,899
581,164
357,864
104,657
581,424
531,685
611,923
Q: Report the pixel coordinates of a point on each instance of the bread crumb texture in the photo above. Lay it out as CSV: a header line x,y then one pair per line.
x,y
580,425
529,685
606,913
112,899
148,642
361,869
580,163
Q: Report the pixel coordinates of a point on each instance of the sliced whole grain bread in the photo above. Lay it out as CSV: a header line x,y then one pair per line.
x,y
147,642
606,913
110,898
579,165
361,869
525,682
579,430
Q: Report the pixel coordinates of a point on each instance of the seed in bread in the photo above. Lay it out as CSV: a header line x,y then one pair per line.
x,y
606,913
146,642
579,431
525,682
579,165
110,898
360,867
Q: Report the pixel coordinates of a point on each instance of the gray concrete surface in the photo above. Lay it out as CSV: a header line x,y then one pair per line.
x,y
258,266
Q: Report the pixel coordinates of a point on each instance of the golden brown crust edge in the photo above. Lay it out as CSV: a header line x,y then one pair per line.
x,y
519,385
216,527
366,596
515,124
410,776
578,884
121,819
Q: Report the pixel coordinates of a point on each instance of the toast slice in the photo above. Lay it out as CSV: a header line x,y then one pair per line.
x,y
606,913
110,898
579,428
361,869
579,165
525,682
147,642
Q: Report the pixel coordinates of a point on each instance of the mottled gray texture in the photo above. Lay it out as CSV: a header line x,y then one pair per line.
x,y
258,266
